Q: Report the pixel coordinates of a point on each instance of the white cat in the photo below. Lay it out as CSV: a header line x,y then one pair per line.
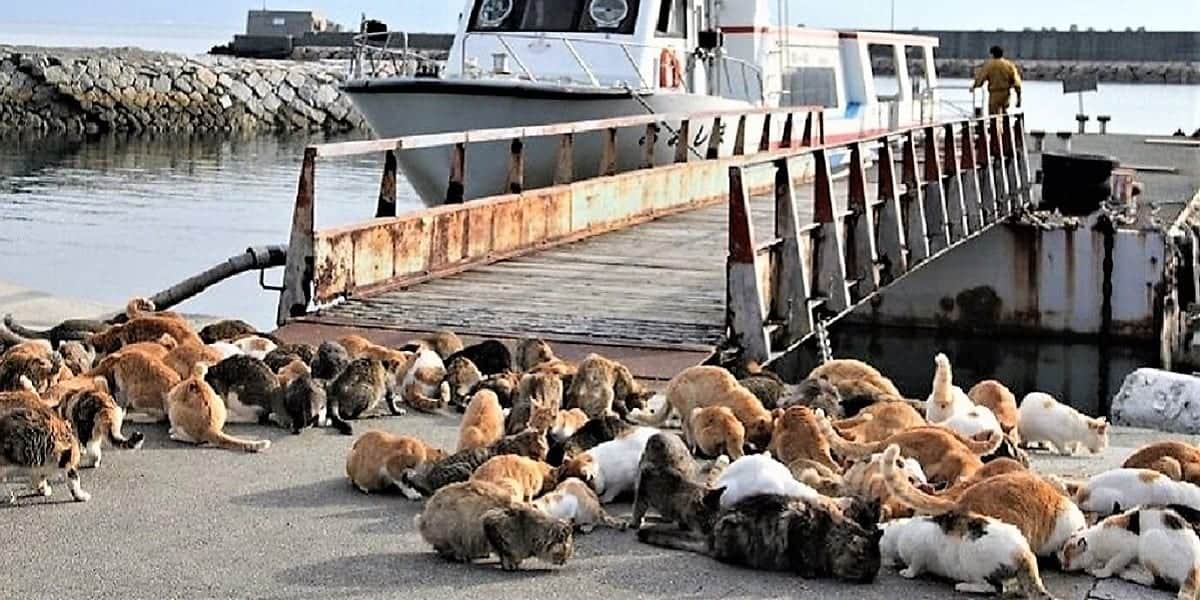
x,y
256,346
947,399
759,474
424,386
973,421
612,467
982,553
1145,546
1041,418
1119,489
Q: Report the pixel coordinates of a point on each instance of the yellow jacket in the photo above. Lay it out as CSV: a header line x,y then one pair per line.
x,y
1000,74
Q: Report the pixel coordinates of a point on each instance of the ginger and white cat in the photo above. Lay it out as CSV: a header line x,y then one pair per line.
x,y
983,554
566,423
1178,460
880,421
1148,546
1001,401
424,387
760,474
197,415
1043,419
611,468
798,436
1119,489
945,455
947,399
704,386
573,501
525,478
482,423
378,460
717,431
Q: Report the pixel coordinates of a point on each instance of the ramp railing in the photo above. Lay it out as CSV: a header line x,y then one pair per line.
x,y
950,182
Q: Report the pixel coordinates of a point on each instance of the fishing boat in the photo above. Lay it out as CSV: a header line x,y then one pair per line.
x,y
536,62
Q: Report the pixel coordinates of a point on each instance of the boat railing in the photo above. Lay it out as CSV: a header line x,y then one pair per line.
x,y
585,72
377,50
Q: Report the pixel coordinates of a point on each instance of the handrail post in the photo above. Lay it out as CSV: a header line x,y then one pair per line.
x,y
987,177
386,206
830,249
456,188
786,141
806,140
935,198
956,211
764,141
913,201
714,140
745,314
972,196
793,288
892,243
564,171
650,147
608,154
516,167
684,144
739,139
999,171
298,274
863,263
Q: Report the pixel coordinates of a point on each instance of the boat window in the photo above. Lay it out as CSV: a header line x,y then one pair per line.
x,y
814,86
562,16
672,18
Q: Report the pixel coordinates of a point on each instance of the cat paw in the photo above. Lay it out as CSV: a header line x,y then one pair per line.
x,y
413,495
44,489
81,496
910,573
1101,573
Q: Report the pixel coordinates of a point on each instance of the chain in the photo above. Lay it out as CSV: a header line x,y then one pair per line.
x,y
823,342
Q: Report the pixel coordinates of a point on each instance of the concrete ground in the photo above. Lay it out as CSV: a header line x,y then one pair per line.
x,y
172,521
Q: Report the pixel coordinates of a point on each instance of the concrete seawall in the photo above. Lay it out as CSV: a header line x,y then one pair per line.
x,y
1057,70
65,90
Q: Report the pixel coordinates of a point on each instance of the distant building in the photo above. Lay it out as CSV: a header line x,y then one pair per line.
x,y
290,23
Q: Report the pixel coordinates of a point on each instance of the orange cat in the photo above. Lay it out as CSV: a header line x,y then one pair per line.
x,y
880,421
292,371
378,461
855,379
482,423
144,307
197,415
1178,460
142,383
184,357
66,387
1001,401
522,477
798,436
704,386
142,329
154,349
717,432
359,347
945,456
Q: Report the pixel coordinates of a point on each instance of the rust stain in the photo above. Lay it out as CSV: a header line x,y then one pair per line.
x,y
411,246
373,256
334,267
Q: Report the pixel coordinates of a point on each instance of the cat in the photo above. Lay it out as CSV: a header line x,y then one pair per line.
x,y
1045,516
602,386
183,357
358,391
95,417
56,394
483,422
458,467
360,347
288,353
858,384
703,386
1179,460
76,356
1148,546
505,385
142,384
490,357
1001,401
250,390
716,431
69,330
539,398
145,307
815,393
330,361
880,421
761,474
1043,419
865,479
666,484
257,346
945,455
305,404
593,433
142,329
780,533
462,376
158,349
947,399
610,468
973,421
768,387
378,461
797,435
34,361
197,415
424,387
227,330
1117,489
288,373
573,501
523,477
472,520
532,352
35,442
981,553
445,343
566,423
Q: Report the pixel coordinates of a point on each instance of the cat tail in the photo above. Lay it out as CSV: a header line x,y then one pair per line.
x,y
1029,579
897,482
673,539
844,447
943,381
333,410
118,439
221,439
855,421
414,397
985,447
1190,589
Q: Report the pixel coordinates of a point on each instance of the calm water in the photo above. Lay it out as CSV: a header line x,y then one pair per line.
x,y
108,218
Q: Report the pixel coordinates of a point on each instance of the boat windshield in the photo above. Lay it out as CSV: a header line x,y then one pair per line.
x,y
563,16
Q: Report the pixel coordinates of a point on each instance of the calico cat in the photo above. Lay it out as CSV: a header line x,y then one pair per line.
x,y
780,533
490,357
945,456
330,361
539,398
1045,516
378,461
444,343
573,501
483,422
95,416
142,383
1112,491
304,405
591,434
717,431
458,467
703,386
523,477
947,399
359,391
1148,546
462,376
667,484
37,443
424,387
183,357
197,415
1178,460
1003,404
472,520
228,330
815,393
602,386
797,435
859,385
611,468
982,553
1043,419
880,421
250,390
257,346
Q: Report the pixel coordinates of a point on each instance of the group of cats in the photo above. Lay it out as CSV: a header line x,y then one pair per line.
x,y
835,477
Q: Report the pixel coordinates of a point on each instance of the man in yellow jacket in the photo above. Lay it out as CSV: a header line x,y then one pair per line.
x,y
1002,77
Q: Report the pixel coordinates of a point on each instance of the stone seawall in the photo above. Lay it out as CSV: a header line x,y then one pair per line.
x,y
1044,70
63,90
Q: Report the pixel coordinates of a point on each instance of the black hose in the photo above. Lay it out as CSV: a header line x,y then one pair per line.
x,y
253,259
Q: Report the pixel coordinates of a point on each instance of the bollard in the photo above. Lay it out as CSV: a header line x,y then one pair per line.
x,y
1103,120
1082,119
1039,141
1065,136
